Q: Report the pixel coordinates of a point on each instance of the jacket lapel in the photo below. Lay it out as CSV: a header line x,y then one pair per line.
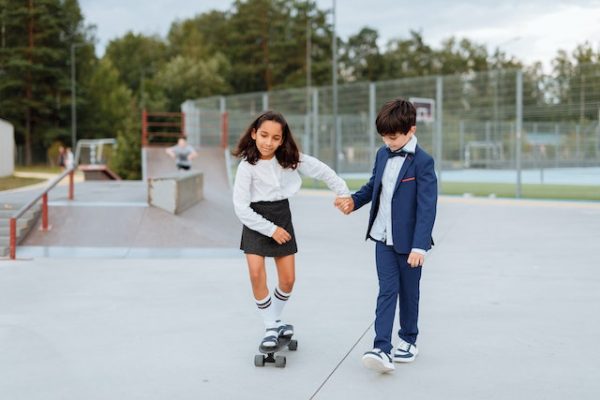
x,y
379,172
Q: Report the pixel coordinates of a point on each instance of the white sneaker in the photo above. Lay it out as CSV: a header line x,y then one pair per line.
x,y
405,352
378,360
270,340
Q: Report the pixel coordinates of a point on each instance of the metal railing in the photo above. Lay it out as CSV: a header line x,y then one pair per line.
x,y
44,197
162,126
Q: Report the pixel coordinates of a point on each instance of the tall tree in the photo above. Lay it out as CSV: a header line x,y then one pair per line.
x,y
34,88
360,59
138,58
186,78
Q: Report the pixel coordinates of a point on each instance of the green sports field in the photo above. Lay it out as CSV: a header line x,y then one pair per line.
x,y
530,191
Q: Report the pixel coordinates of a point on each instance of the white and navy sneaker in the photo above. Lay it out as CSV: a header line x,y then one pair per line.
x,y
270,340
378,360
405,352
285,330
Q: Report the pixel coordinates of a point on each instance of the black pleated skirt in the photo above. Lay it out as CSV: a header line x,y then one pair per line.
x,y
254,242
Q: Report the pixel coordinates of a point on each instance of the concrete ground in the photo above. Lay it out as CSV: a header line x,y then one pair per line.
x,y
509,310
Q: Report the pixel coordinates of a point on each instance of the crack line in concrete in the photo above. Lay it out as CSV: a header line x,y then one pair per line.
x,y
341,361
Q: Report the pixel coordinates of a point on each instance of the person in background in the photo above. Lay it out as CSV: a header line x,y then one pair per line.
x,y
61,157
183,154
69,158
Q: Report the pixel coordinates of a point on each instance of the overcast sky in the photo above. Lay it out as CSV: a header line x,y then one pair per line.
x,y
531,30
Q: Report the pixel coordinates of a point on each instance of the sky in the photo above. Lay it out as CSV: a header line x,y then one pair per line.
x,y
530,30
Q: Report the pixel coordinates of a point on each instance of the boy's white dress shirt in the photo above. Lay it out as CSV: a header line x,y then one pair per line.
x,y
382,226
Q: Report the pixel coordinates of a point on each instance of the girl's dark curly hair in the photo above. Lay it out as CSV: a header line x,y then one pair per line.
x,y
287,154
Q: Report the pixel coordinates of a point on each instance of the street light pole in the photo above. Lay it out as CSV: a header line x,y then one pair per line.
x,y
73,97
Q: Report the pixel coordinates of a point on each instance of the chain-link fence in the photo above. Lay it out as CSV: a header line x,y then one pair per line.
x,y
478,127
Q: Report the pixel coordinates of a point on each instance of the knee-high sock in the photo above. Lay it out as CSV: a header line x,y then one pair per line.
x,y
265,309
279,300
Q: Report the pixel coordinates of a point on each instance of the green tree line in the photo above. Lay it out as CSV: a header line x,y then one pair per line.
x,y
256,45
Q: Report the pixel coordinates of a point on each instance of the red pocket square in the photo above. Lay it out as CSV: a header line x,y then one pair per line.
x,y
408,179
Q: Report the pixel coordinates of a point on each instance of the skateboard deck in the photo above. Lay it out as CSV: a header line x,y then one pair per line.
x,y
261,359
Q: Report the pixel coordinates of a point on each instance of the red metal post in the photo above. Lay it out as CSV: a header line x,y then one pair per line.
x,y
71,185
13,238
183,125
225,131
45,212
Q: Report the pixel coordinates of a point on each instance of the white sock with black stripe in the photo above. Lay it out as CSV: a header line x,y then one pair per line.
x,y
279,298
265,309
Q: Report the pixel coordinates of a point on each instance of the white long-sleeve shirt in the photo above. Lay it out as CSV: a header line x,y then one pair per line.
x,y
267,180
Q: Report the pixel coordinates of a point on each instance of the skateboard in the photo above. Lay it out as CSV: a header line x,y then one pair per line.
x,y
261,359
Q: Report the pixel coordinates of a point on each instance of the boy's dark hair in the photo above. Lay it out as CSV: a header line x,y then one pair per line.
x,y
287,154
395,116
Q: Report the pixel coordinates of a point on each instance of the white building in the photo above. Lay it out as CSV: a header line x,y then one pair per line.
x,y
7,148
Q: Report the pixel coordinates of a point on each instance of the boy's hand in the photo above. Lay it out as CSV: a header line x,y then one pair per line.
x,y
281,236
416,259
344,204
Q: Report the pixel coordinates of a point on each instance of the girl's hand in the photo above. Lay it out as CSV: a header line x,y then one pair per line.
x,y
344,204
281,236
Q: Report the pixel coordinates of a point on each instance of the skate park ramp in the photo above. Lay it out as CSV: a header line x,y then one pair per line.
x,y
210,161
113,217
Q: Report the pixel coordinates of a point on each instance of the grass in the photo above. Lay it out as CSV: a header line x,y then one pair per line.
x,y
529,191
38,168
12,182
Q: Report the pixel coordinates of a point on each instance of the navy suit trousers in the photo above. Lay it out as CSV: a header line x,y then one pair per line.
x,y
397,282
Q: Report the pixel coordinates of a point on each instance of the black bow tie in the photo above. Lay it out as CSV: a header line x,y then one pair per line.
x,y
401,153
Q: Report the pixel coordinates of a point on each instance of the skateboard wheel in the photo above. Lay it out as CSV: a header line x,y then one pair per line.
x,y
293,345
259,360
280,361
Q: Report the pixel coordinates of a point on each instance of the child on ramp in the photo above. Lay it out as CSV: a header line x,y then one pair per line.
x,y
267,176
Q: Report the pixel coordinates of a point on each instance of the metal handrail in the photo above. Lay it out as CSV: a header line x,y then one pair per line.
x,y
44,197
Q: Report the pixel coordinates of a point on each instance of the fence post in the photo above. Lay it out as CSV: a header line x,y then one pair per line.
x,y
461,141
13,238
183,130
315,129
225,130
439,98
371,130
224,121
265,101
45,212
71,184
557,148
518,128
578,145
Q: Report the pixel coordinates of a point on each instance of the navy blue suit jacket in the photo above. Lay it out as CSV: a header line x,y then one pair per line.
x,y
413,203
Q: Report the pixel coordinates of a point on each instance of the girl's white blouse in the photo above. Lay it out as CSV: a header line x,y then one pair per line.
x,y
267,180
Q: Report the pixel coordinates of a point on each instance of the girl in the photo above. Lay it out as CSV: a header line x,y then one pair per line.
x,y
266,177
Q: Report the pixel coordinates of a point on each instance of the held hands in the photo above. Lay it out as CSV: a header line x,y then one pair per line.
x,y
344,204
415,259
281,236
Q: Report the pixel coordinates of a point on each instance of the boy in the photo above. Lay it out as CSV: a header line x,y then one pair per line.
x,y
403,195
183,154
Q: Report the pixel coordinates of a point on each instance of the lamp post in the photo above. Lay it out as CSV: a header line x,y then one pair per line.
x,y
334,88
73,97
